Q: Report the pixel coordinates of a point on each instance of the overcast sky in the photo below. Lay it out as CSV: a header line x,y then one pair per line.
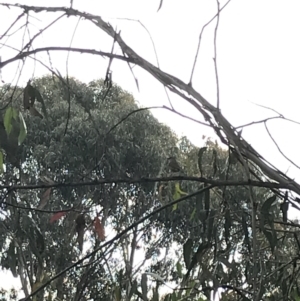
x,y
258,60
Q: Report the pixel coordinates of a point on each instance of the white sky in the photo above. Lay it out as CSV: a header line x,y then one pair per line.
x,y
258,60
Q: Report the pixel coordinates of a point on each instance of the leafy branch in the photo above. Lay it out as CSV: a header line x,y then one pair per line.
x,y
118,236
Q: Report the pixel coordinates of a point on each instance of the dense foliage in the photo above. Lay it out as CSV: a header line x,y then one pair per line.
x,y
201,244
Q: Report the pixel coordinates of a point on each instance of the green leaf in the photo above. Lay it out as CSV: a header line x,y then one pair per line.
x,y
155,295
187,251
179,269
271,237
1,162
174,297
144,286
265,209
197,257
200,207
207,201
266,216
133,289
12,258
191,286
39,240
215,162
177,188
200,155
175,206
284,288
294,294
193,214
176,196
178,192
211,224
40,99
23,129
118,293
10,113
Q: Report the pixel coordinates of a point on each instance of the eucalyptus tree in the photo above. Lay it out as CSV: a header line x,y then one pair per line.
x,y
77,140
230,231
90,133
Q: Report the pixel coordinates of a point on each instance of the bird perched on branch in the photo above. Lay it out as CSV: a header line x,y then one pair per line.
x,y
173,165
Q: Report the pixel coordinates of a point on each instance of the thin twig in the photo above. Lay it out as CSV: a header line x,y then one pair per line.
x,y
277,146
108,75
68,82
11,26
29,44
258,122
199,40
268,108
155,52
41,210
24,54
152,41
215,56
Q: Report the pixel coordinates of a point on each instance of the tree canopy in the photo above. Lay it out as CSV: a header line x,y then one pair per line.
x,y
101,201
69,148
84,138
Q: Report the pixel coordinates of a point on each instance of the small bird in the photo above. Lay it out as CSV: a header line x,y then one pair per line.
x,y
173,164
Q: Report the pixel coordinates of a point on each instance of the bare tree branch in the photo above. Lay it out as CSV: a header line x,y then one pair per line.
x,y
277,146
151,180
200,38
12,25
68,82
258,122
231,136
29,44
80,50
215,56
